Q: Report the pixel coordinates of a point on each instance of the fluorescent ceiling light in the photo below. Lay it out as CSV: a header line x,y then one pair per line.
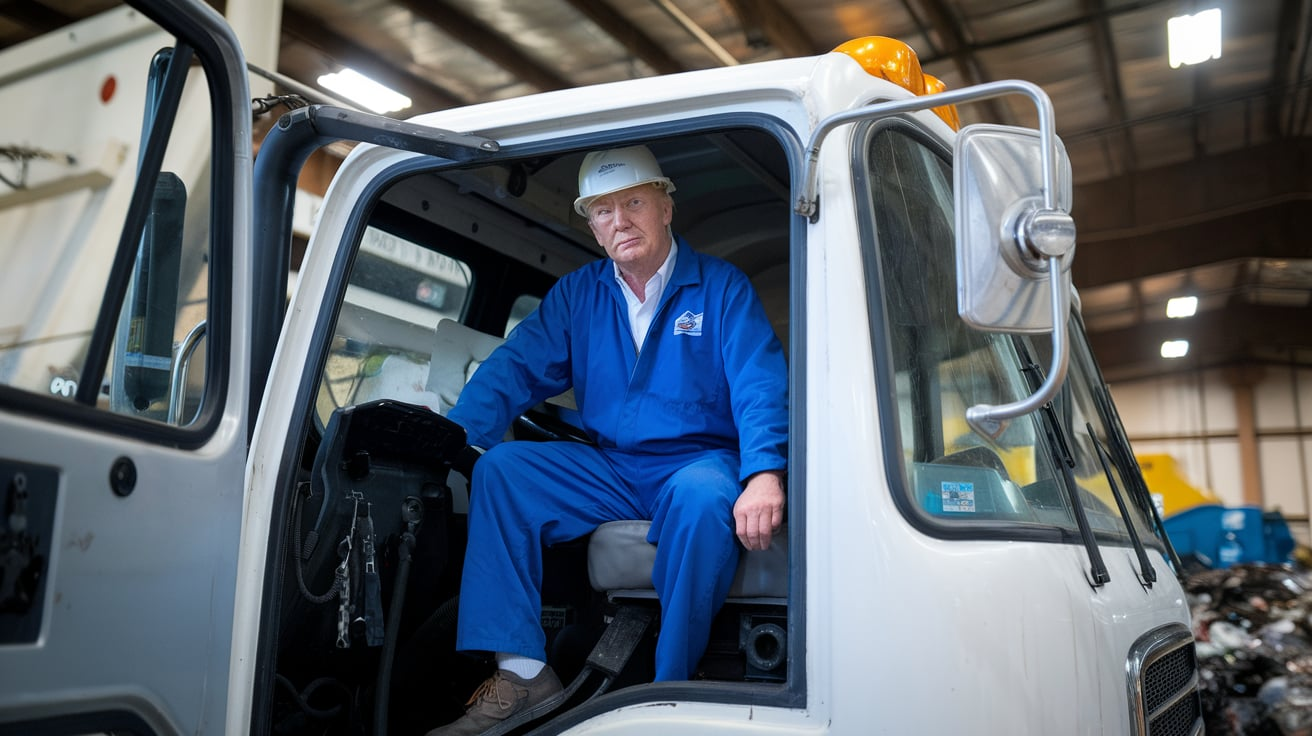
x,y
1181,306
1193,39
358,88
1175,348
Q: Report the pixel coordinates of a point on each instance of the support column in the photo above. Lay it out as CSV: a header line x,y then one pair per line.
x,y
1242,379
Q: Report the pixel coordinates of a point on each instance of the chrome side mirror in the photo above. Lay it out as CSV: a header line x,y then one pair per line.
x,y
1015,245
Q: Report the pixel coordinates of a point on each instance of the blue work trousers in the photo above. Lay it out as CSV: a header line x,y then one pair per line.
x,y
529,494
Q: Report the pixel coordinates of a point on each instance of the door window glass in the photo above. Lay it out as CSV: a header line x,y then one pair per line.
x,y
75,156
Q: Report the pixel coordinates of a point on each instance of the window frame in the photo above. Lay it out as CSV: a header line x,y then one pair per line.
x,y
218,62
793,692
896,467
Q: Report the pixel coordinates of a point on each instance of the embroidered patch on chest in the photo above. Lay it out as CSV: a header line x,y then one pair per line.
x,y
688,324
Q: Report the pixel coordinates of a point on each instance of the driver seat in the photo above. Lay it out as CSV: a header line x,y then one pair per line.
x,y
620,560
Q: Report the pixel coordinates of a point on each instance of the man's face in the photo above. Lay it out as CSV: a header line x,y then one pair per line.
x,y
632,225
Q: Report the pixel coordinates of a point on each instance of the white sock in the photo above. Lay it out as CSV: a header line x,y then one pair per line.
x,y
525,667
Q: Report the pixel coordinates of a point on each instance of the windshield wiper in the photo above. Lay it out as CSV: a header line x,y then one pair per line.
x,y
1147,575
1098,575
1138,487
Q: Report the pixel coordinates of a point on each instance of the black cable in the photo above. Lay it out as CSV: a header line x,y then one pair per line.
x,y
262,105
302,699
383,685
297,561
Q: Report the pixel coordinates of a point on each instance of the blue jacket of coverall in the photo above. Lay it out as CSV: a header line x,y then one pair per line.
x,y
711,374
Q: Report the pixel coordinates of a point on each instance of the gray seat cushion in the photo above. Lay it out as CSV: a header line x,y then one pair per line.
x,y
621,558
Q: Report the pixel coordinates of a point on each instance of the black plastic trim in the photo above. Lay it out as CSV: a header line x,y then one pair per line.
x,y
284,151
117,722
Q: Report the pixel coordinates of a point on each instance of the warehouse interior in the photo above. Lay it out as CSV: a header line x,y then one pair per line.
x,y
1192,185
1189,181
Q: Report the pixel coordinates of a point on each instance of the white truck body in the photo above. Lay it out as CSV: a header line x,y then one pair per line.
x,y
166,601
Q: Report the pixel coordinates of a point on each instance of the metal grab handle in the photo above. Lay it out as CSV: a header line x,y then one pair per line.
x,y
182,355
988,419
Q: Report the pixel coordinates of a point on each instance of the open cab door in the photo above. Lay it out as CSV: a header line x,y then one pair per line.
x,y
124,371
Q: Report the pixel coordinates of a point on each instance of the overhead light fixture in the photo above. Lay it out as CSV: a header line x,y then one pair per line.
x,y
1181,306
1193,39
1175,348
358,88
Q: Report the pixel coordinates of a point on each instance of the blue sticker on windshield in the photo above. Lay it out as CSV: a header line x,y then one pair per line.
x,y
959,497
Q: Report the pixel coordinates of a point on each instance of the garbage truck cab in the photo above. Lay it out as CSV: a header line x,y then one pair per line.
x,y
237,510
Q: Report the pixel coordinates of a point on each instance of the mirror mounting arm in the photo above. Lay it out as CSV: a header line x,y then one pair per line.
x,y
1041,235
990,420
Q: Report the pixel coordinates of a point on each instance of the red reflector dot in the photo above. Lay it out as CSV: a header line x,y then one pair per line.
x,y
107,88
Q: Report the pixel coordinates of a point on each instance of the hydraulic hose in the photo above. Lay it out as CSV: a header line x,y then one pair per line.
x,y
412,512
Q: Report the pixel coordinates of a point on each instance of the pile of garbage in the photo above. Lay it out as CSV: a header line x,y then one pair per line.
x,y
1253,629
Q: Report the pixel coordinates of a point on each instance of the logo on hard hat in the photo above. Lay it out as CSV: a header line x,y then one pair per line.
x,y
607,167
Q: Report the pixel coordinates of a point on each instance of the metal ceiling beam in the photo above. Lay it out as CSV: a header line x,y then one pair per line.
x,y
1288,41
1249,203
308,29
935,51
35,18
1241,333
486,42
766,22
956,46
1275,231
639,44
685,21
1047,30
1104,49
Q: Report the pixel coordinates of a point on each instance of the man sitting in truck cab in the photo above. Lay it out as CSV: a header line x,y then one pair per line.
x,y
681,384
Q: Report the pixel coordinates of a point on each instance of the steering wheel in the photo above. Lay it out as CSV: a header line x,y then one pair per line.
x,y
540,426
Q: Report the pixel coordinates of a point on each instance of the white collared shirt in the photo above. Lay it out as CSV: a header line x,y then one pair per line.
x,y
642,312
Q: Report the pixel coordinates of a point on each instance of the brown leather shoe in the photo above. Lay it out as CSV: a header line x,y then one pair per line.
x,y
501,696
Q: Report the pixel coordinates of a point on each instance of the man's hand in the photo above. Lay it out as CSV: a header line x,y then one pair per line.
x,y
759,511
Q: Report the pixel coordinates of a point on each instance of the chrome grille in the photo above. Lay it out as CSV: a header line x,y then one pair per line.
x,y
1162,676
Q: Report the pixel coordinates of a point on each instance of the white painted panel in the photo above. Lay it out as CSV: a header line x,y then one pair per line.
x,y
1282,479
1218,402
1227,475
1305,398
1159,406
1273,399
1306,467
1302,535
1135,402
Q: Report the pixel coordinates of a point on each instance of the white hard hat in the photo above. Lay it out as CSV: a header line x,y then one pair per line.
x,y
604,172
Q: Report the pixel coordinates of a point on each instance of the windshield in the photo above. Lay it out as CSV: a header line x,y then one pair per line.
x,y
956,482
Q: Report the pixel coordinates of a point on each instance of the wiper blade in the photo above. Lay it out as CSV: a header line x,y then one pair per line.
x,y
1147,575
1098,575
1144,496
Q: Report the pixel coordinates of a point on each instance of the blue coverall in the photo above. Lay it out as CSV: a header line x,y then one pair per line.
x,y
678,429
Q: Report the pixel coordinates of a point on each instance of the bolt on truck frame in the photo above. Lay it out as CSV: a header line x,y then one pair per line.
x,y
231,511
